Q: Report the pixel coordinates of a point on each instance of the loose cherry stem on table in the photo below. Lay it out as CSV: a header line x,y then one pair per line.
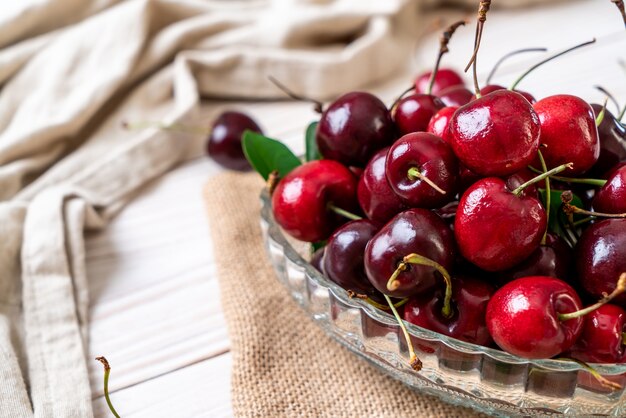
x,y
107,371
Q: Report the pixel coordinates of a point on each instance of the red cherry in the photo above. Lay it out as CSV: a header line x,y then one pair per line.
x,y
413,113
224,142
495,135
469,304
490,88
353,128
456,96
523,317
612,135
496,229
301,199
376,197
568,129
438,124
444,79
602,338
611,198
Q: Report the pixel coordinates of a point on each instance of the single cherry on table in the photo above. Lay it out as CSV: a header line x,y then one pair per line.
x,y
224,142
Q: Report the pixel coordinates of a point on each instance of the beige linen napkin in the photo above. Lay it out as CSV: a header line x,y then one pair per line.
x,y
283,363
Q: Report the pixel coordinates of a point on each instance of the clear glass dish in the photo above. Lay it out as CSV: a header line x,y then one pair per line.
x,y
486,379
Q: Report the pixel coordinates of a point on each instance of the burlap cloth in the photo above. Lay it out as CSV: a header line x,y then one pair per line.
x,y
283,364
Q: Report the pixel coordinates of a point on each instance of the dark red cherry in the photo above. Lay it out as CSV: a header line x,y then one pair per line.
x,y
316,259
224,142
496,229
455,96
413,113
301,199
611,198
469,304
517,179
376,197
353,128
438,124
444,79
495,135
418,231
466,178
523,317
612,135
343,257
600,257
420,166
552,259
568,129
602,338
490,88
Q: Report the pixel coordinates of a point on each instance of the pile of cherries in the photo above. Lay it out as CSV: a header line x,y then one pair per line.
x,y
486,216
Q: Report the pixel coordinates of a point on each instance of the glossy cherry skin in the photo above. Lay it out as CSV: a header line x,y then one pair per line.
x,y
417,231
469,305
455,96
601,338
495,135
568,128
413,113
444,79
495,229
434,158
600,257
490,88
343,258
376,197
300,200
438,124
224,142
522,317
611,198
353,128
553,259
466,178
517,179
612,135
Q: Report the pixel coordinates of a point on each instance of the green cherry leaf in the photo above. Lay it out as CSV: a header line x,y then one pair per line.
x,y
312,152
266,154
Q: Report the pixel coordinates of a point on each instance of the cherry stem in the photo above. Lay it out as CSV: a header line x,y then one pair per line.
x,y
107,371
542,176
343,212
483,8
395,102
592,182
317,105
415,362
600,116
353,294
619,289
609,95
601,379
509,55
548,196
620,7
415,174
272,181
175,127
413,258
540,63
583,221
567,197
444,40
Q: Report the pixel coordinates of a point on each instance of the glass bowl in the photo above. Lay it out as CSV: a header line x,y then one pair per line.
x,y
486,379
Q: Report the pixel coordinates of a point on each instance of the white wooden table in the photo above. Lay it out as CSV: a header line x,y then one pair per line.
x,y
155,305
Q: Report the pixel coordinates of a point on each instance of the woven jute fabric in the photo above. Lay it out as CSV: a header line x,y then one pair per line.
x,y
283,364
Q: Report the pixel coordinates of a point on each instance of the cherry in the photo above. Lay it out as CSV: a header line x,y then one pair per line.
x,y
568,129
418,231
600,256
413,113
612,135
224,142
376,197
304,199
469,304
466,178
422,170
316,259
343,257
490,88
517,179
455,96
602,338
497,228
353,128
525,317
444,79
495,135
438,124
611,198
